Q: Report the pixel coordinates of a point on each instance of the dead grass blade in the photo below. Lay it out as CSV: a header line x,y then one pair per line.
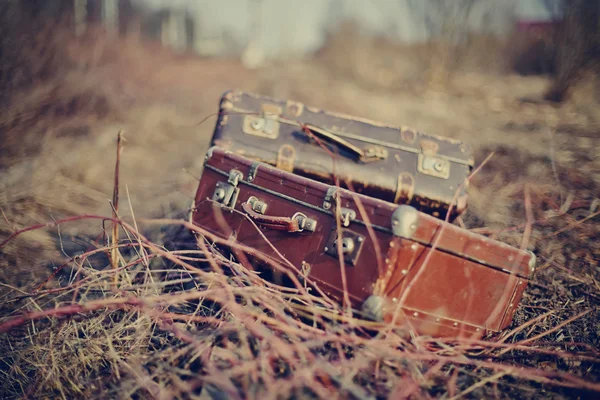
x,y
483,382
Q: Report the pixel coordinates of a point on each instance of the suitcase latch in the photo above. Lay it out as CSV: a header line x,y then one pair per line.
x,y
433,166
351,243
227,193
263,125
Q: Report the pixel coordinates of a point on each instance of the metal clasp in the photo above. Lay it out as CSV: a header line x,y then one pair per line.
x,y
434,166
234,177
264,125
257,205
347,215
253,170
305,223
329,198
227,193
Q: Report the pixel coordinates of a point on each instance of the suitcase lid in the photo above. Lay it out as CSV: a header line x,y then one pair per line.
x,y
262,110
401,221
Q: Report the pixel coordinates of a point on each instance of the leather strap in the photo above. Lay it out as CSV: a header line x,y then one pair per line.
x,y
276,223
286,157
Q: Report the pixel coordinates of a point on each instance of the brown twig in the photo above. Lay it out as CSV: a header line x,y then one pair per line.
x,y
114,253
11,226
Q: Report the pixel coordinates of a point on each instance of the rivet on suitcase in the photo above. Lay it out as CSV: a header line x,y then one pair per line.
x,y
395,164
467,285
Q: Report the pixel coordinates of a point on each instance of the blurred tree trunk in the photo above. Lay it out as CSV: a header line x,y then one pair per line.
x,y
577,50
28,51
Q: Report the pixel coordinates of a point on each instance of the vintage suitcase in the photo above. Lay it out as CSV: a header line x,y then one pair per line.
x,y
395,164
468,285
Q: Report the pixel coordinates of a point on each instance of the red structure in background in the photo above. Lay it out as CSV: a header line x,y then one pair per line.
x,y
533,46
536,27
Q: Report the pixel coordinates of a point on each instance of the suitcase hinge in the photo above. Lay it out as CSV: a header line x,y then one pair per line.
x,y
329,198
253,171
234,177
227,193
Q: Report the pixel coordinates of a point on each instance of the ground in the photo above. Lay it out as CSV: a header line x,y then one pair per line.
x,y
541,186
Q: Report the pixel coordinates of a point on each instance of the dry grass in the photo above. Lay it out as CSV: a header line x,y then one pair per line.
x,y
59,133
161,333
179,326
266,317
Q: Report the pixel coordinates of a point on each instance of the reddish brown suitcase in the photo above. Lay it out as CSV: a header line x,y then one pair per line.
x,y
468,285
395,164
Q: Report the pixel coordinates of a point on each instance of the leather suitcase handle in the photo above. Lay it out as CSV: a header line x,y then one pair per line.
x,y
335,139
364,156
289,224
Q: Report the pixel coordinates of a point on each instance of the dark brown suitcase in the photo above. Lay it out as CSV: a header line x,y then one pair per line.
x,y
396,164
468,285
